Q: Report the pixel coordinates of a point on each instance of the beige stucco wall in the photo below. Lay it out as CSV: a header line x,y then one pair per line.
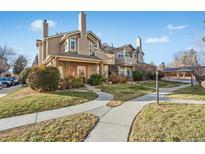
x,y
53,45
106,57
93,69
67,68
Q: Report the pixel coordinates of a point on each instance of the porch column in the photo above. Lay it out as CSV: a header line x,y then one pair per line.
x,y
101,68
184,75
55,64
177,75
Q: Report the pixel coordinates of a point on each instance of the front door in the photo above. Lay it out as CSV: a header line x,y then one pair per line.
x,y
81,71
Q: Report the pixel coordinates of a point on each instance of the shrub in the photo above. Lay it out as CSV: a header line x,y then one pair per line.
x,y
66,83
24,75
95,79
115,79
137,75
123,79
151,76
78,82
44,79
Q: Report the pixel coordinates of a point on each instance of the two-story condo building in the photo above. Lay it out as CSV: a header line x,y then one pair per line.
x,y
75,53
126,58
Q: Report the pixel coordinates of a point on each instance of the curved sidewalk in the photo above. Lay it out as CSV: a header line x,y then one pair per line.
x,y
12,122
115,124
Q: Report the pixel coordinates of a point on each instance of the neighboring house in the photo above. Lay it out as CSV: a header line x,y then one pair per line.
x,y
178,73
127,57
76,53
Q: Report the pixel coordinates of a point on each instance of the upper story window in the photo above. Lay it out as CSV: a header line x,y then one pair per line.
x,y
92,48
73,43
120,55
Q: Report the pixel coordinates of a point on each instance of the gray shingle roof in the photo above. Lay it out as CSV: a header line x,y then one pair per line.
x,y
75,55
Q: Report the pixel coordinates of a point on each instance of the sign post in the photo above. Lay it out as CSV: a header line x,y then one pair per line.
x,y
157,87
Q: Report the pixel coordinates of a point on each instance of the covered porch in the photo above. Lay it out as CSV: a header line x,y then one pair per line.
x,y
78,66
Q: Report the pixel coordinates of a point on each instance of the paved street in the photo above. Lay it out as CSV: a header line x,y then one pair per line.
x,y
6,91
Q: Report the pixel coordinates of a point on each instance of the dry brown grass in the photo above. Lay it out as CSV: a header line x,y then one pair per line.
x,y
25,101
73,128
170,123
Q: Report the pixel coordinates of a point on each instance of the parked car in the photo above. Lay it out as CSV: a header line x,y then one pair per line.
x,y
5,81
16,81
13,80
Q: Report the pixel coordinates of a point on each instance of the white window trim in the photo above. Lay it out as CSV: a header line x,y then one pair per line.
x,y
90,46
66,46
75,49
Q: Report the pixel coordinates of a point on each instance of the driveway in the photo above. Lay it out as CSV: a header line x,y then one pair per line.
x,y
6,91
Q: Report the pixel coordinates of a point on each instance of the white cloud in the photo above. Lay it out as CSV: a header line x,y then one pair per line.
x,y
176,27
36,25
162,39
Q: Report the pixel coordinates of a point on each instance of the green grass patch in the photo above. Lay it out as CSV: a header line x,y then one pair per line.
x,y
169,122
73,128
25,101
193,93
162,84
124,92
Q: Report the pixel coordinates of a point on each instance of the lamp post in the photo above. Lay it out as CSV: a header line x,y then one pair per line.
x,y
157,87
192,78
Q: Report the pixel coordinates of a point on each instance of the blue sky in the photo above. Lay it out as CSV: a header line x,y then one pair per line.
x,y
163,33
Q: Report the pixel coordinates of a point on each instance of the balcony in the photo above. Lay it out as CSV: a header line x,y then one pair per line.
x,y
106,57
126,61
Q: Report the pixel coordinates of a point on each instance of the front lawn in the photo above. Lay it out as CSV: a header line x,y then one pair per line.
x,y
162,84
73,128
25,101
169,122
124,92
194,93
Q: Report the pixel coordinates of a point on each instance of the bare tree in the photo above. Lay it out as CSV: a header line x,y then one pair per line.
x,y
186,58
6,58
19,64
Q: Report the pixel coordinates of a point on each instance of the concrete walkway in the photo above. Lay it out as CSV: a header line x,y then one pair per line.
x,y
114,125
101,101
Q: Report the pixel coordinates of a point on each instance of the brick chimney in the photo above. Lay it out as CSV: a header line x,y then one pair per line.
x,y
45,29
83,41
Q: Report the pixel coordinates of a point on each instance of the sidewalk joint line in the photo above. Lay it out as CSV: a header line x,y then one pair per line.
x,y
113,124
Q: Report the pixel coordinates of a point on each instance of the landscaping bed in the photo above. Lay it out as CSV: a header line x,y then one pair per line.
x,y
73,128
169,122
124,92
26,100
193,93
